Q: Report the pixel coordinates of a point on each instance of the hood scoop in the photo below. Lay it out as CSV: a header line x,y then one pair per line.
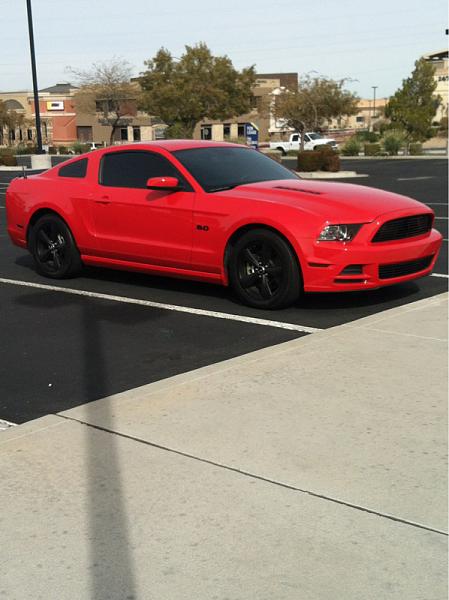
x,y
294,189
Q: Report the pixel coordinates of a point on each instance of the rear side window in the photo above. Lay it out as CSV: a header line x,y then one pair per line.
x,y
133,169
74,169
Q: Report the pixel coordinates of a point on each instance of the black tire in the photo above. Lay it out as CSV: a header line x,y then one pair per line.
x,y
263,270
53,248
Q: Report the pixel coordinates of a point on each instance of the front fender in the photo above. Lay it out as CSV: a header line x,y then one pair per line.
x,y
276,226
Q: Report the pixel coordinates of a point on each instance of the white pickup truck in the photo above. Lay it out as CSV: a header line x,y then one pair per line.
x,y
311,141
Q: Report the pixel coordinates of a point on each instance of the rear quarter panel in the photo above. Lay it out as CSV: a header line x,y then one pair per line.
x,y
70,198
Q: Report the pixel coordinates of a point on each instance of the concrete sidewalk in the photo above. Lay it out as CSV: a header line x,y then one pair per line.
x,y
312,470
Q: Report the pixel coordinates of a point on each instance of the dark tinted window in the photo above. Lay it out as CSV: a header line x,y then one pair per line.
x,y
74,169
224,168
133,169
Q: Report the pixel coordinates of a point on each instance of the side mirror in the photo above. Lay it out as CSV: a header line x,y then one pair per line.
x,y
163,183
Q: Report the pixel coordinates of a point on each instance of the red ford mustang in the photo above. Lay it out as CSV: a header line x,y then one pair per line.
x,y
221,213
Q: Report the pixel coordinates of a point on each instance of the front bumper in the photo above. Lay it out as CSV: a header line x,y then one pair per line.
x,y
359,265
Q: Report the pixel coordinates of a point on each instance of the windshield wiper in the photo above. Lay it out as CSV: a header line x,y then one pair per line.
x,y
232,186
224,187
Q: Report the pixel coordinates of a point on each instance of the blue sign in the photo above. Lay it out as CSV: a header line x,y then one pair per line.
x,y
252,135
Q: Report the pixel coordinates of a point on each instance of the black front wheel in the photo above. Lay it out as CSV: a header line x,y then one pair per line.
x,y
53,248
263,270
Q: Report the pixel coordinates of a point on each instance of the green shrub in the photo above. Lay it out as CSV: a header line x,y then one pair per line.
x,y
325,159
292,153
80,148
63,149
331,162
26,149
310,160
392,144
238,140
351,148
443,125
52,150
367,136
275,155
9,160
415,149
371,149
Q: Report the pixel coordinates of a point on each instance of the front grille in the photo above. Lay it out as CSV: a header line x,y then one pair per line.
x,y
406,227
404,268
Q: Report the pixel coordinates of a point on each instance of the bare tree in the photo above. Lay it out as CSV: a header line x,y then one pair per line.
x,y
107,88
315,101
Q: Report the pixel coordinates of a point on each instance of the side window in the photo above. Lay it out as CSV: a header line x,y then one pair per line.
x,y
132,169
295,138
74,169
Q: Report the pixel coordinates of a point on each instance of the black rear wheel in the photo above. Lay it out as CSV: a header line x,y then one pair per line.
x,y
263,270
53,248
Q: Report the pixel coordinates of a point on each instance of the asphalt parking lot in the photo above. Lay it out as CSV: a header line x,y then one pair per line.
x,y
60,350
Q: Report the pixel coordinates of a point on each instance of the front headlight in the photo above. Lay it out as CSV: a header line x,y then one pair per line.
x,y
339,233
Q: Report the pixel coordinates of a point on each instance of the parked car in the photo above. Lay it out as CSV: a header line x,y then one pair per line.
x,y
221,213
312,140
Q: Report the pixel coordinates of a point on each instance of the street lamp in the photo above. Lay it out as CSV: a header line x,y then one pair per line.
x,y
374,103
35,89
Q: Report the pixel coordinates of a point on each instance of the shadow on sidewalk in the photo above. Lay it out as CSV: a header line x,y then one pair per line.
x,y
111,568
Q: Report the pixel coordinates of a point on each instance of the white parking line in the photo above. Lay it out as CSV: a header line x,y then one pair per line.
x,y
6,424
445,218
415,178
440,275
173,307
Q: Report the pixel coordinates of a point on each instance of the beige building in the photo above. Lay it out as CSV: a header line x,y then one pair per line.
x,y
440,61
21,103
369,112
63,124
266,87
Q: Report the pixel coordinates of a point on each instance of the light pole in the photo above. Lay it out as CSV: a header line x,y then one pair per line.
x,y
35,89
374,104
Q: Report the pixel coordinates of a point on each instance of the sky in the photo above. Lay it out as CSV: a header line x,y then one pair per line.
x,y
373,43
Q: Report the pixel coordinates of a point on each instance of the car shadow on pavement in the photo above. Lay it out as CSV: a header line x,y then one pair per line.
x,y
335,307
342,300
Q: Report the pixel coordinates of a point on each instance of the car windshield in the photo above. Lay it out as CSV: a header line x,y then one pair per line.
x,y
223,168
315,136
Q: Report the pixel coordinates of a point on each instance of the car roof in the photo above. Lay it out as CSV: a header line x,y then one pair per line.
x,y
173,145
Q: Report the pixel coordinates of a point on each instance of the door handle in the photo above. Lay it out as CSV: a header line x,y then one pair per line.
x,y
103,200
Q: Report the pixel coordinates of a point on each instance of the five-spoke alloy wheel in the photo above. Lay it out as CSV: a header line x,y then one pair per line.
x,y
263,270
53,248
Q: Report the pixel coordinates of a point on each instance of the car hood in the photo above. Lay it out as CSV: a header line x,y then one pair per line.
x,y
342,201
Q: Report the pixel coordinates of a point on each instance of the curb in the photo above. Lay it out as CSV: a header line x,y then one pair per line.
x,y
13,168
408,157
329,175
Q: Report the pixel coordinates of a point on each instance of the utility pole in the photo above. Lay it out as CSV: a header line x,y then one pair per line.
x,y
374,103
35,88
